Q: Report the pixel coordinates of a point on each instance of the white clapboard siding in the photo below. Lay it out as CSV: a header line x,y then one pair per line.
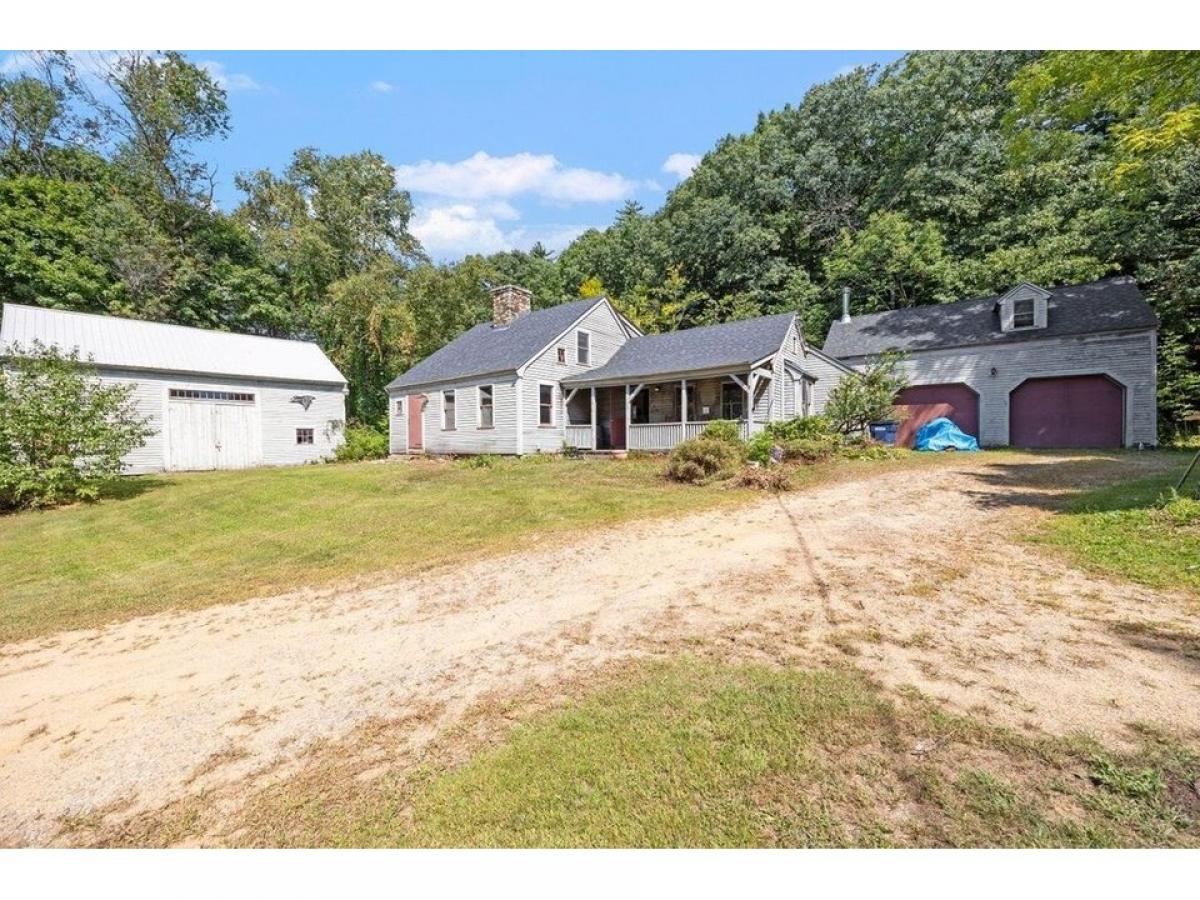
x,y
1127,358
467,436
607,337
275,415
828,374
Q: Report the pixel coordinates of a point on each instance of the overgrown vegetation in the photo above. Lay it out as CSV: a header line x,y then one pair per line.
x,y
692,753
363,442
942,176
1141,530
187,541
860,398
702,460
63,434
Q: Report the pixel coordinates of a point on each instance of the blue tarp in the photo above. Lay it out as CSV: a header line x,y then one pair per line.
x,y
942,434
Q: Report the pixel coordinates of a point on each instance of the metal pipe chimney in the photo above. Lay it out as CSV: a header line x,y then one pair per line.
x,y
845,304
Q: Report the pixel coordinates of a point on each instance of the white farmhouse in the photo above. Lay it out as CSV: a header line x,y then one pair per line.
x,y
215,400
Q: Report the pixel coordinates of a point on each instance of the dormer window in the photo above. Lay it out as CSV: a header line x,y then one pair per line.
x,y
1023,308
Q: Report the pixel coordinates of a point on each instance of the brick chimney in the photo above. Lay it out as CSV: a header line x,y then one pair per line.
x,y
508,303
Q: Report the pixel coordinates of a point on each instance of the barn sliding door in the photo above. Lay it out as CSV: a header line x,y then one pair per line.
x,y
204,433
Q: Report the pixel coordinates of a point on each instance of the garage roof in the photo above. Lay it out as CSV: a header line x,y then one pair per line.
x,y
1113,304
134,344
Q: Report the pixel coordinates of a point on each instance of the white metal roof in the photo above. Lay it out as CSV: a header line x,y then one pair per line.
x,y
130,343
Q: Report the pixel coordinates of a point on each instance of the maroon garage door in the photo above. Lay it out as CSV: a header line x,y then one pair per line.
x,y
1081,411
926,402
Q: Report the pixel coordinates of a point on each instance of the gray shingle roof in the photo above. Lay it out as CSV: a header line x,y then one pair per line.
x,y
485,349
1113,304
693,349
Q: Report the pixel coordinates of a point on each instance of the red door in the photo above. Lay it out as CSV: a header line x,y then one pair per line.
x,y
1080,411
926,402
416,421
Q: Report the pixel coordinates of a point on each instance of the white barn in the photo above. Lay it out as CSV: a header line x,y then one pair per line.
x,y
215,400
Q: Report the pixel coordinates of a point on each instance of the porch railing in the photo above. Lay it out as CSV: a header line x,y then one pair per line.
x,y
581,436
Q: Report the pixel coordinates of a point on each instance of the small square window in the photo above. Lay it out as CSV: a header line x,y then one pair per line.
x,y
304,435
400,407
562,355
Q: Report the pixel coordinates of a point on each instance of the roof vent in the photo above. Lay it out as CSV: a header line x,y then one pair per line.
x,y
509,302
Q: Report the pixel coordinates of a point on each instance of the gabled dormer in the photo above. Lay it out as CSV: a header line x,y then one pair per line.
x,y
1024,308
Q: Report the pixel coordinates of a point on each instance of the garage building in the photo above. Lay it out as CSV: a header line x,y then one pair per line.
x,y
216,400
1071,366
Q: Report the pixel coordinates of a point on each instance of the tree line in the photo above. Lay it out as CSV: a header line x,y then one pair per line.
x,y
942,176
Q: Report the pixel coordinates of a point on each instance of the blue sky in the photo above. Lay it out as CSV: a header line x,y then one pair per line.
x,y
502,149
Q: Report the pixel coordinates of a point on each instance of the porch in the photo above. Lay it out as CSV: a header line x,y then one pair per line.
x,y
658,415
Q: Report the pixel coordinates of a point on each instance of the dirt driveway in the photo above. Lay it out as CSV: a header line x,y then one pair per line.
x,y
917,578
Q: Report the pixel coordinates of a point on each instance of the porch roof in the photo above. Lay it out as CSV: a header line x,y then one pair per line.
x,y
692,352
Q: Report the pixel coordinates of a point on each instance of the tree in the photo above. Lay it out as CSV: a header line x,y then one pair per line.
x,y
868,396
63,434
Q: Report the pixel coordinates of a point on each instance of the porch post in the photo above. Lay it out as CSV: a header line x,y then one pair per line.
x,y
750,385
595,424
628,416
683,404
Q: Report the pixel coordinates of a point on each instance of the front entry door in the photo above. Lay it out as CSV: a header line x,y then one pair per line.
x,y
416,422
610,418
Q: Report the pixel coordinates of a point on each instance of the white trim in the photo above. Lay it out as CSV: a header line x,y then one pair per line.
x,y
479,406
552,385
520,402
575,324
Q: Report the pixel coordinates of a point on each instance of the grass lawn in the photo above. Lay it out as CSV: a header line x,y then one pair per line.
x,y
694,753
1124,530
192,540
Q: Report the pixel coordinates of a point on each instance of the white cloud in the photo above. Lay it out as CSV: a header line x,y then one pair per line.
x,y
454,230
230,81
483,176
382,87
681,164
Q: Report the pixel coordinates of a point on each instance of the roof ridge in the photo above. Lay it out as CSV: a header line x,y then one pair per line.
x,y
111,318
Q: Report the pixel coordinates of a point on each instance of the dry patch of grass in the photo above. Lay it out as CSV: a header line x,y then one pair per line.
x,y
696,753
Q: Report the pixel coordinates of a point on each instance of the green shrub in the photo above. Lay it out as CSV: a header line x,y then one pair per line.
x,y
362,442
805,438
1181,510
864,397
63,433
703,459
723,430
811,450
480,461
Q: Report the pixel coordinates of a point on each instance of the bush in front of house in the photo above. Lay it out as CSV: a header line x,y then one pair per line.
x,y
704,459
726,430
775,480
802,439
362,442
63,433
867,396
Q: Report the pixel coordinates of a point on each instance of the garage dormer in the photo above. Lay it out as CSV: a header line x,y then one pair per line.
x,y
1023,308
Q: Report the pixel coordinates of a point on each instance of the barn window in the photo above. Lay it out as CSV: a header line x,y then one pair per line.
x,y
400,407
583,348
562,355
1023,313
304,435
223,396
448,410
545,404
486,417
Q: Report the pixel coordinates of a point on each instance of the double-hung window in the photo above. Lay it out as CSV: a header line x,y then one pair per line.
x,y
545,404
447,410
583,348
486,414
1023,314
